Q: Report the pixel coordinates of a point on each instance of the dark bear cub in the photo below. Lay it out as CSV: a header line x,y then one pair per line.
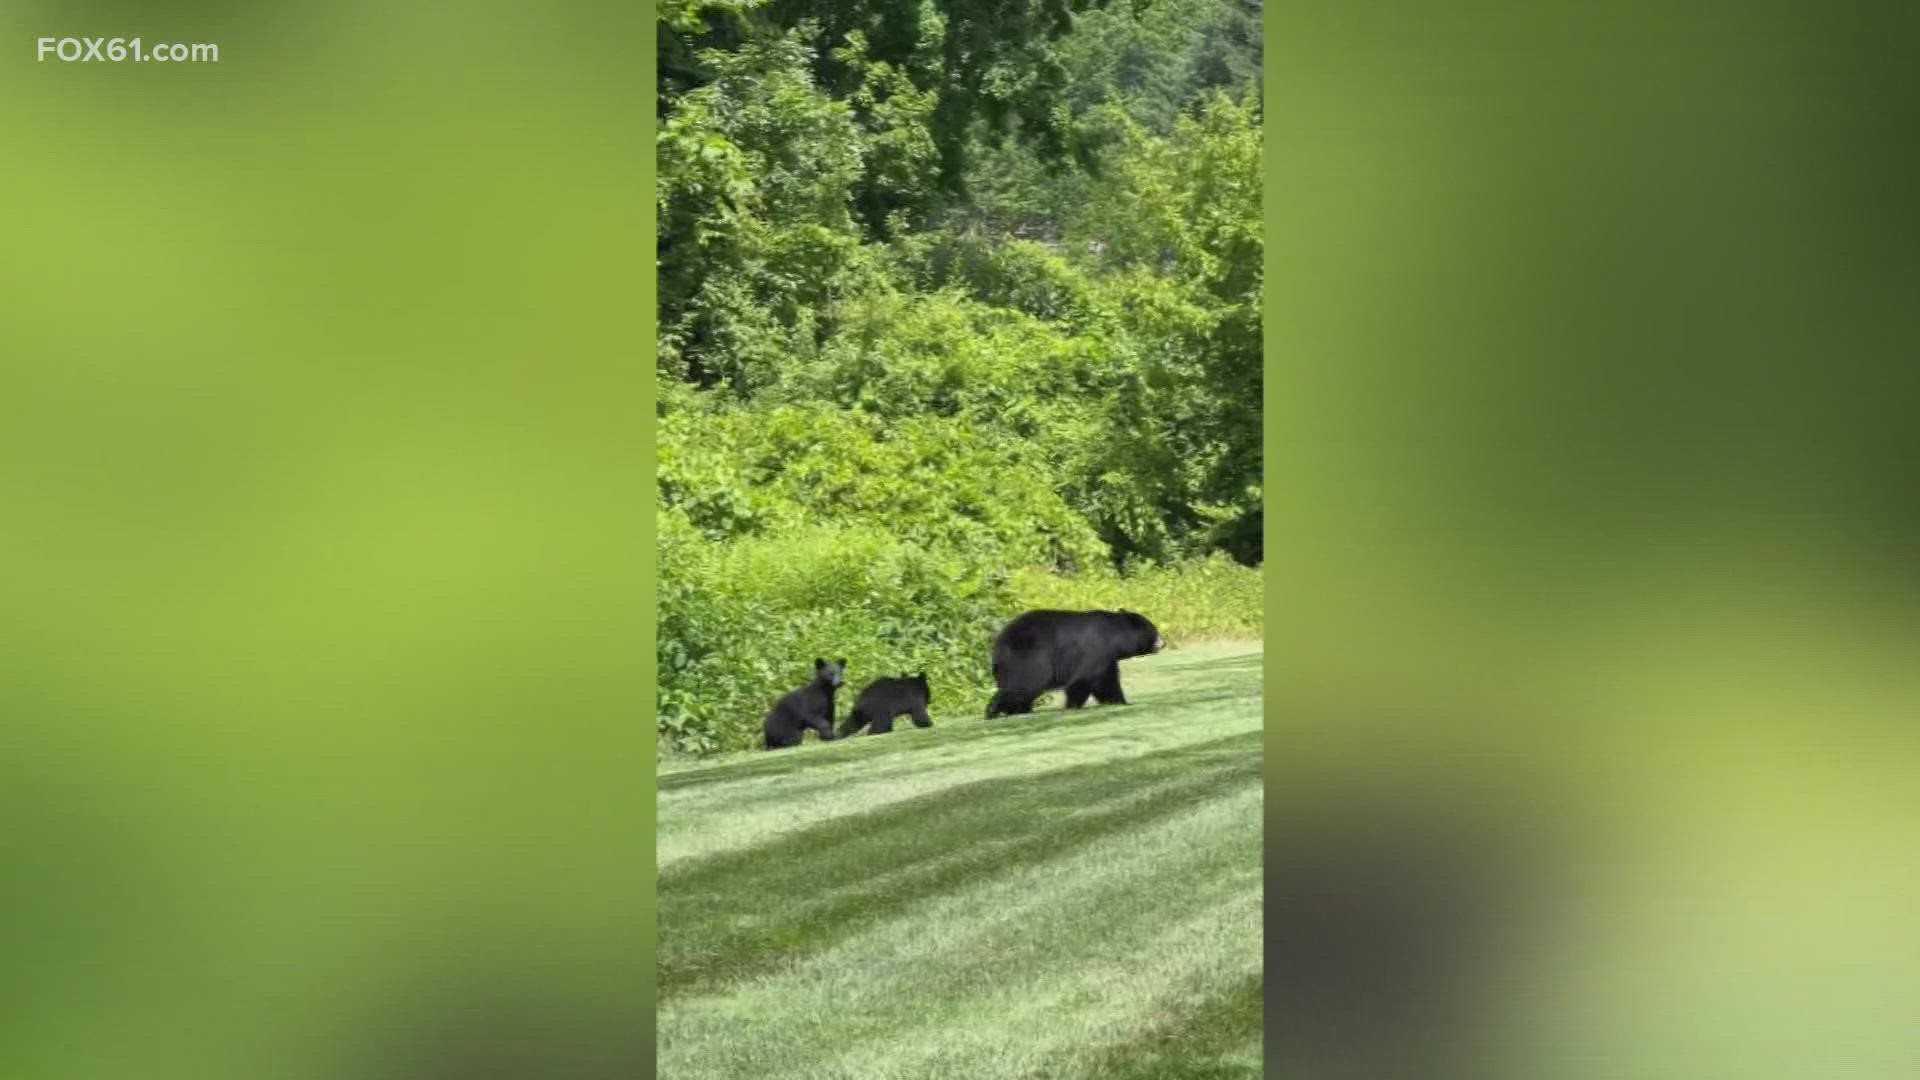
x,y
811,706
884,699
1078,650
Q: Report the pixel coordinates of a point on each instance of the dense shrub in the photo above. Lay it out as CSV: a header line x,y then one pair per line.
x,y
1214,598
741,621
1114,417
931,482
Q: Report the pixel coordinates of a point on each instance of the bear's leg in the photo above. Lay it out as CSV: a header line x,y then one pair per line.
x,y
881,725
855,721
823,727
1107,687
779,730
1077,693
920,717
1010,703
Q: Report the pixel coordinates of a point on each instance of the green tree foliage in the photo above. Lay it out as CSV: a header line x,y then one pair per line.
x,y
992,67
1157,60
755,227
1179,228
950,290
928,481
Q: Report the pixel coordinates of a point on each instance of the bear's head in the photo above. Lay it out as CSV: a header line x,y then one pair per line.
x,y
920,679
1142,636
833,674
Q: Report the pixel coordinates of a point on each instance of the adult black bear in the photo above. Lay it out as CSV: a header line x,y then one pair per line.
x,y
884,699
1080,650
811,706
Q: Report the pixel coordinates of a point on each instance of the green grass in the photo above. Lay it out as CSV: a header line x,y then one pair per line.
x,y
1061,895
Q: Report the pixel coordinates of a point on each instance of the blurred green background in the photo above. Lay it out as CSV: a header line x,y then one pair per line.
x,y
1591,418
324,544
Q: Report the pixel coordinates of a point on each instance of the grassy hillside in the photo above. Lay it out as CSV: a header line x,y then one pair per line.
x,y
1060,895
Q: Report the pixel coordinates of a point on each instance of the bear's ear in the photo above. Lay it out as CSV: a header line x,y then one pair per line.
x,y
842,661
818,663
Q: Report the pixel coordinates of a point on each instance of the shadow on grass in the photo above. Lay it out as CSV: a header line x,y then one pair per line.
x,y
1200,1042
726,916
947,736
942,736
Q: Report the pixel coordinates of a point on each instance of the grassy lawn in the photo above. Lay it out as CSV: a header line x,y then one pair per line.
x,y
1059,895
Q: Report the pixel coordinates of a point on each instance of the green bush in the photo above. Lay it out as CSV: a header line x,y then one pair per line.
x,y
1016,275
932,482
741,621
1108,416
1213,598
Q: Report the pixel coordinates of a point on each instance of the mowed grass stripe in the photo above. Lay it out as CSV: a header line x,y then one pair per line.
x,y
1207,1033
1040,972
855,867
1179,699
984,911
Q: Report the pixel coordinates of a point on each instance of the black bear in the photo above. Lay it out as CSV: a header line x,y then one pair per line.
x,y
811,706
884,699
1080,650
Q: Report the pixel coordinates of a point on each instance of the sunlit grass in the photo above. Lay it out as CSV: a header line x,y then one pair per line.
x,y
1060,895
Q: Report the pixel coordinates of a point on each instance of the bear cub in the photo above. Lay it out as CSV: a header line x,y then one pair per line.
x,y
887,698
811,706
1079,650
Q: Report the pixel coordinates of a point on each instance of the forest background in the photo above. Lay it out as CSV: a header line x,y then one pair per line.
x,y
959,314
